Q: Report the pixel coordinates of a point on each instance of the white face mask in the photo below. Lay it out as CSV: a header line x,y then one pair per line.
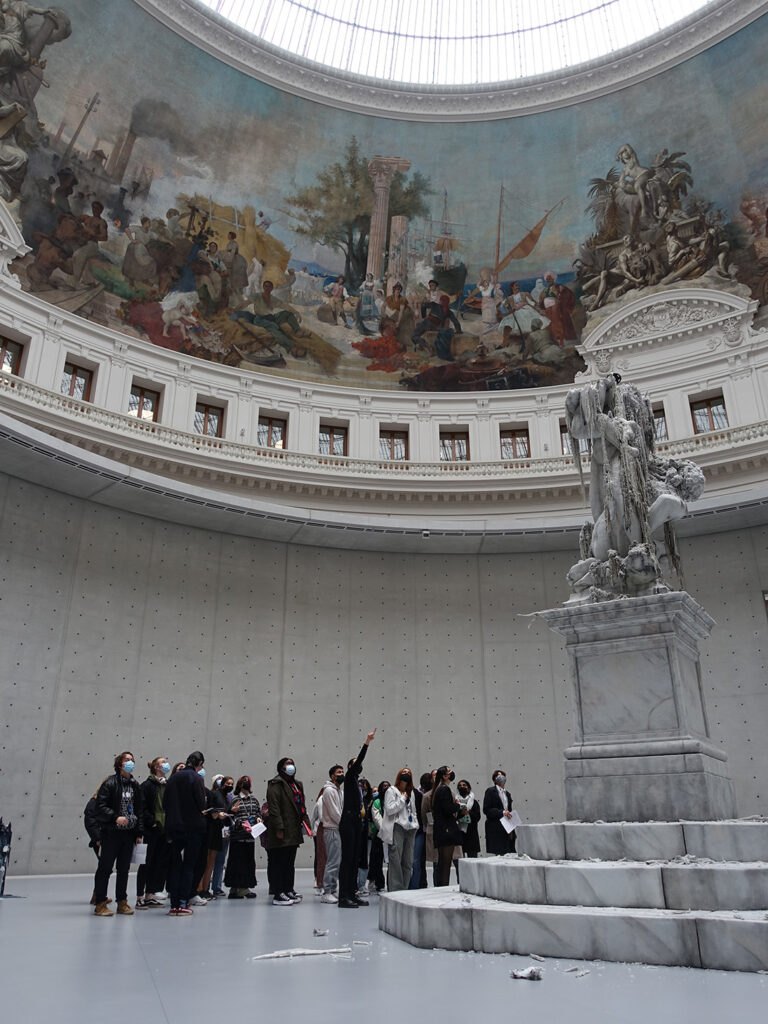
x,y
290,769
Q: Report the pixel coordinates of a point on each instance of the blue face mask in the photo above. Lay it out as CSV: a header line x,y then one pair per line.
x,y
290,769
165,767
128,766
201,772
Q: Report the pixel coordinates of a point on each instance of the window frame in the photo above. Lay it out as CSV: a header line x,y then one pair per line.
x,y
454,435
659,414
77,368
514,434
271,420
15,363
334,429
565,440
707,404
144,390
393,434
208,407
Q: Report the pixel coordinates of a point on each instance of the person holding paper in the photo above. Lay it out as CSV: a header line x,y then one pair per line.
x,y
245,812
497,805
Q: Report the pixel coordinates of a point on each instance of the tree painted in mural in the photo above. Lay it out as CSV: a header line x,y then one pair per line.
x,y
336,210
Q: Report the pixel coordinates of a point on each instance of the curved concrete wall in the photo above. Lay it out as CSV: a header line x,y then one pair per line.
x,y
122,631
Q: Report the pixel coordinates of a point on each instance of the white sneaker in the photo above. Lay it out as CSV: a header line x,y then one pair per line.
x,y
329,897
362,893
198,901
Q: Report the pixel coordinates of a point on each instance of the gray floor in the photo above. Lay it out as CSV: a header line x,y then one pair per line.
x,y
60,963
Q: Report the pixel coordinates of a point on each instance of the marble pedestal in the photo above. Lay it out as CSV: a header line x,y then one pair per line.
x,y
642,750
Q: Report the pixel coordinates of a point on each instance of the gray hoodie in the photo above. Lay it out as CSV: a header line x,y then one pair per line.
x,y
333,802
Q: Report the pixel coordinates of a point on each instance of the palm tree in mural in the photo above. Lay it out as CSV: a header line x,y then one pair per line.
x,y
603,208
336,211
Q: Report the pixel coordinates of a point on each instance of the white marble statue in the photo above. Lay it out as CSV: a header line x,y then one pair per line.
x,y
633,493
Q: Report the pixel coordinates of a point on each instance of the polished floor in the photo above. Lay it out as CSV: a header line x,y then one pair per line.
x,y
60,963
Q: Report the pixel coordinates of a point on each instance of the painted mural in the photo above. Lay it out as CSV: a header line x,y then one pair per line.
x,y
169,196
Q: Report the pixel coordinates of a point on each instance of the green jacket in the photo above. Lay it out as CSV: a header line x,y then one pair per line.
x,y
284,815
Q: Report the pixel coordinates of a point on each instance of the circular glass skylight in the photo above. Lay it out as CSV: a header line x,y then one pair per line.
x,y
454,42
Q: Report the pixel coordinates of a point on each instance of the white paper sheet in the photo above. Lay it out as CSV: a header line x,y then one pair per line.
x,y
510,824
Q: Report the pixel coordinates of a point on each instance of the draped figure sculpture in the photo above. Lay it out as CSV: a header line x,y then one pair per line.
x,y
633,492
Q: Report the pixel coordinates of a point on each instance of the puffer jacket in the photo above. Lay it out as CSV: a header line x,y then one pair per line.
x,y
109,803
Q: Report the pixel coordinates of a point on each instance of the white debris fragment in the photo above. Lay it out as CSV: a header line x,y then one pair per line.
x,y
529,974
535,956
279,954
570,970
320,932
361,942
580,974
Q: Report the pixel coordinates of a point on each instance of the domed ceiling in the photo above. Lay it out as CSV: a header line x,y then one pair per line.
x,y
162,191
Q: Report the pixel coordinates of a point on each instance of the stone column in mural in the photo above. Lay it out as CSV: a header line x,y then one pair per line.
x,y
397,268
382,170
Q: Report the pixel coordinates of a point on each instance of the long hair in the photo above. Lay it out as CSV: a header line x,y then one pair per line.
x,y
409,783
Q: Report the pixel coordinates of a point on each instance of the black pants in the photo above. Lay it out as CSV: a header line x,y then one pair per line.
x,y
376,863
281,872
185,849
116,846
155,874
350,834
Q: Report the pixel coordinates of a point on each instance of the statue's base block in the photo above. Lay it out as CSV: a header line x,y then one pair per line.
x,y
642,750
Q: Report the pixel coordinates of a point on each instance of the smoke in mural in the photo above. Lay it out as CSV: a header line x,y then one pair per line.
x,y
166,195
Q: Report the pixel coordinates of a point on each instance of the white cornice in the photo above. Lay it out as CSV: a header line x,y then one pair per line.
x,y
284,70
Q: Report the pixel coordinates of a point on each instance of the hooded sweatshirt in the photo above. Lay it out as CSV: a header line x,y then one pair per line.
x,y
333,802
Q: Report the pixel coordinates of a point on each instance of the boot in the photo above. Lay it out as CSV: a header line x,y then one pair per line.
x,y
102,910
124,907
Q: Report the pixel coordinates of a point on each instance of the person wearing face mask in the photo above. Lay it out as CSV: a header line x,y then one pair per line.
x,y
350,830
223,798
119,812
376,860
497,804
287,824
185,828
245,812
468,820
331,805
446,833
151,876
399,829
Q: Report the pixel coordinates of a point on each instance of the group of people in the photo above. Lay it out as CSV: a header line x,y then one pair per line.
x,y
196,839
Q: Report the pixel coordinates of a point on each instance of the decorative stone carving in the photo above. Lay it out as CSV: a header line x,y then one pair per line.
x,y
633,493
12,246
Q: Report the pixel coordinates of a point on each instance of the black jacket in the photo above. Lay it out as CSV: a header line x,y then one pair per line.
x,y
470,840
445,829
352,803
184,802
109,803
497,840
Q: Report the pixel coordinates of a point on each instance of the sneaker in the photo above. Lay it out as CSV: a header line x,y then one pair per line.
x,y
140,905
198,900
362,893
153,903
295,896
207,895
318,890
102,910
184,911
329,897
124,907
283,900
219,892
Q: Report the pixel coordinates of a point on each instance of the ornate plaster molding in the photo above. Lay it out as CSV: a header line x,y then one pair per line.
x,y
301,77
12,245
655,319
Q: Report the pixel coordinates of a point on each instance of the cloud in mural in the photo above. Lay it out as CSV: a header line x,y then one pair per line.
x,y
158,120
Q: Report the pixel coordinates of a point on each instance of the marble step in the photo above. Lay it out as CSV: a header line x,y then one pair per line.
x,y
742,840
664,886
449,919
